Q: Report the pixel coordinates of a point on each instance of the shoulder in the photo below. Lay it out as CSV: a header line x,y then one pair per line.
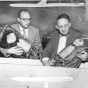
x,y
34,28
54,34
75,33
13,25
74,30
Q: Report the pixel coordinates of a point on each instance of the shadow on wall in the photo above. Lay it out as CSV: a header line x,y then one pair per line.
x,y
45,18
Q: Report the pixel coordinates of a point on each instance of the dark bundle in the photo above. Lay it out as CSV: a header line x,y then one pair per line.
x,y
4,44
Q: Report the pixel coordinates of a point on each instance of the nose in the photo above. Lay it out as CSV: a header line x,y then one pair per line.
x,y
27,21
63,28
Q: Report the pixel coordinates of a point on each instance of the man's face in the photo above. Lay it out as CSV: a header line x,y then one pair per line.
x,y
63,26
24,19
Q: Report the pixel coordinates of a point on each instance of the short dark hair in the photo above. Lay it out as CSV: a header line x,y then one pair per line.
x,y
23,10
63,16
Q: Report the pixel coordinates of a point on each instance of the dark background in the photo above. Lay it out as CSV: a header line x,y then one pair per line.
x,y
45,17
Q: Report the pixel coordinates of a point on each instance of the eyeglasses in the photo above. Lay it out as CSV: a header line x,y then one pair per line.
x,y
25,19
66,26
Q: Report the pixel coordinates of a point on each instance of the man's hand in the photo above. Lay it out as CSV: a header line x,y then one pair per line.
x,y
78,42
24,45
45,61
15,50
83,56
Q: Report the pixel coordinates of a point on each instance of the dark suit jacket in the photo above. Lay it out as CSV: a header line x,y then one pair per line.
x,y
51,48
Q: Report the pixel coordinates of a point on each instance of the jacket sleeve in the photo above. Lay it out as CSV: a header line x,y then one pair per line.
x,y
37,43
37,40
47,50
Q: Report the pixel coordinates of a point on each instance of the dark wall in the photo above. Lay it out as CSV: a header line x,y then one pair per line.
x,y
45,18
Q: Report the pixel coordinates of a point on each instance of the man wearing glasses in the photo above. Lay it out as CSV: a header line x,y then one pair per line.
x,y
61,38
27,31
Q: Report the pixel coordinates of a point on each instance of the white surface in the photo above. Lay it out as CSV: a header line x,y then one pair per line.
x,y
20,61
57,77
48,5
51,79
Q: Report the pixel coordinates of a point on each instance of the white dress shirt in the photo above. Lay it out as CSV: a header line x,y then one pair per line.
x,y
62,43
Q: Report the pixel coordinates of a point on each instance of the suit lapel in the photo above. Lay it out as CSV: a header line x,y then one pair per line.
x,y
70,38
69,41
56,43
18,28
29,33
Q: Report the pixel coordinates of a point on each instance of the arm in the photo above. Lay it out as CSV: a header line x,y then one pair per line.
x,y
83,55
24,45
48,50
78,39
10,50
4,51
46,55
76,34
37,44
37,40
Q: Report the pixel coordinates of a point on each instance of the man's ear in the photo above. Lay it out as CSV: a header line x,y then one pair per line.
x,y
69,24
18,19
56,27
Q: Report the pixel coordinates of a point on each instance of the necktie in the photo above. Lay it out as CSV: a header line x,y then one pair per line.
x,y
24,34
62,43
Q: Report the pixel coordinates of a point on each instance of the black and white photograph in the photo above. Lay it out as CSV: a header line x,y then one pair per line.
x,y
43,43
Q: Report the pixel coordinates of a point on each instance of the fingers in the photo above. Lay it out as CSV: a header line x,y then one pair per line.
x,y
45,61
83,55
16,47
16,50
19,51
79,42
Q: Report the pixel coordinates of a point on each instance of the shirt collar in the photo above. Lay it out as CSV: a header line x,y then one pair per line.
x,y
64,36
21,28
